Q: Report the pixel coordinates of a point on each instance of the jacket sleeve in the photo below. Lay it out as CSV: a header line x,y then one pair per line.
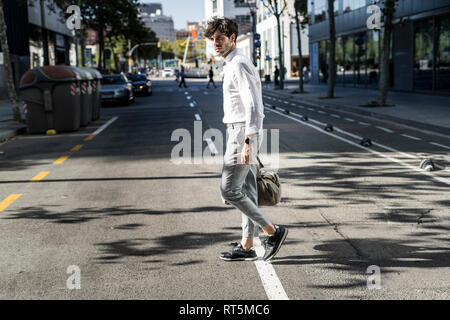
x,y
249,89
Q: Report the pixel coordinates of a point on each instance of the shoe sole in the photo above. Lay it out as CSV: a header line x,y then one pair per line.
x,y
279,247
241,259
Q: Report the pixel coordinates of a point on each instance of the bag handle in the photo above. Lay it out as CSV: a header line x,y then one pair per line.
x,y
260,163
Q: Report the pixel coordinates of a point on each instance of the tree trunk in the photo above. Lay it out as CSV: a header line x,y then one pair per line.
x,y
300,56
280,50
332,56
8,68
384,65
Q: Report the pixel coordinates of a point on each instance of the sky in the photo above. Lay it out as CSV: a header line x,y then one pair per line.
x,y
182,10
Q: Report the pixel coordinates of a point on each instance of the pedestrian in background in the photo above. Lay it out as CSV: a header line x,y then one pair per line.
x,y
177,75
182,75
277,76
243,115
211,77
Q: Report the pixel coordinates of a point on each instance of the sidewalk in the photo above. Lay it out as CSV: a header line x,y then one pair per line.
x,y
417,110
8,127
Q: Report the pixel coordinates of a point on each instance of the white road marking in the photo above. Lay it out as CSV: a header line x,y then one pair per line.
x,y
364,123
410,137
197,117
335,115
385,129
212,146
271,283
429,174
440,145
191,105
186,93
293,104
205,93
311,109
349,119
322,112
103,127
287,102
189,97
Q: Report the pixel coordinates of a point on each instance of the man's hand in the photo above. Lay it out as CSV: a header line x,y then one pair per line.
x,y
246,152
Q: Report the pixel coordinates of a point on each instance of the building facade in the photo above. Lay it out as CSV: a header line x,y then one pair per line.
x,y
152,16
420,56
25,38
238,10
267,27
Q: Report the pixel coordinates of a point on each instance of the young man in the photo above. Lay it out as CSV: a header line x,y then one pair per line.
x,y
182,75
243,114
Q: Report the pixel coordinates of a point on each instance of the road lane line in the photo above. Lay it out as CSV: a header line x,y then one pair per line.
x,y
90,137
349,119
364,123
385,129
197,117
429,174
9,201
77,148
103,127
321,112
271,283
335,115
410,137
40,176
61,160
440,145
286,102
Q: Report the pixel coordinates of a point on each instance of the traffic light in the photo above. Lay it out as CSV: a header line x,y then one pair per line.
x,y
159,44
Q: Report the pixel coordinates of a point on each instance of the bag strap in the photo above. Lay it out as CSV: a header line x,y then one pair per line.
x,y
260,163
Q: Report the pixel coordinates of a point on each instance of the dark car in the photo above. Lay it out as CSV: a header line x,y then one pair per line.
x,y
117,88
141,84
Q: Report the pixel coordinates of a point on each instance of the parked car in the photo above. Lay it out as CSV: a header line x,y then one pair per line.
x,y
117,88
141,85
167,73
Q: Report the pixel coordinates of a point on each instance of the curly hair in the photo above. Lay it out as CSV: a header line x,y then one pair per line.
x,y
224,25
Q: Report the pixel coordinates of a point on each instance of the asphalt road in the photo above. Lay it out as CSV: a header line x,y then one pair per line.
x,y
138,225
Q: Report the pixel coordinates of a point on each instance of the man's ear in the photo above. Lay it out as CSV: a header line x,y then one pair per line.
x,y
233,37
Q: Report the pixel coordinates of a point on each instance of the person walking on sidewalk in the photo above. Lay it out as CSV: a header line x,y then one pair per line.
x,y
277,76
182,75
211,77
243,115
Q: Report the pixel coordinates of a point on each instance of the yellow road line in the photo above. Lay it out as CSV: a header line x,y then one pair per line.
x,y
92,136
61,160
8,201
39,177
76,148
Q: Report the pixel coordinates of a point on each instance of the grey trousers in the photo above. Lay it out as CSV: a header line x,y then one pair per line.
x,y
238,185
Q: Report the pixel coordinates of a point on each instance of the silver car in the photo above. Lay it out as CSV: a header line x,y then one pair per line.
x,y
117,88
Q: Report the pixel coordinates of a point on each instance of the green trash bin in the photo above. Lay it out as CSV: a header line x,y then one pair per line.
x,y
96,85
51,94
86,96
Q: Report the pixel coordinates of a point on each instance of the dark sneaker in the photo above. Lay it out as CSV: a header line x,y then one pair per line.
x,y
273,244
239,254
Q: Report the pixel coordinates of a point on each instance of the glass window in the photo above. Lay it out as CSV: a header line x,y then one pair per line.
x,y
349,59
350,5
373,57
320,10
340,62
443,55
323,61
423,54
360,58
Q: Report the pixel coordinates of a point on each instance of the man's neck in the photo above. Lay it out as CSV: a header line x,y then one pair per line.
x,y
231,50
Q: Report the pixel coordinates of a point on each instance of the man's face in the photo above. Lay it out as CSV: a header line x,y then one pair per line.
x,y
221,43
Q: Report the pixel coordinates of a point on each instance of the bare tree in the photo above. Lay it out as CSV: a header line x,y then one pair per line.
x,y
277,8
8,67
332,55
300,11
388,13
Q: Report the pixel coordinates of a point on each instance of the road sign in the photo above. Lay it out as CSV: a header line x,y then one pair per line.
x,y
257,37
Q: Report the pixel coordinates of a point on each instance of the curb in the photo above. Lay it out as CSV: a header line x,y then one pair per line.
x,y
379,116
11,133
